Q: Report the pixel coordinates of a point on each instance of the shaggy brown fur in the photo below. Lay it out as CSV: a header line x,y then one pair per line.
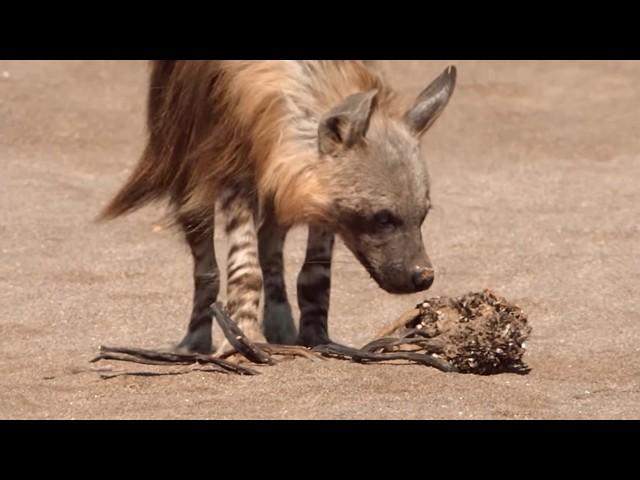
x,y
277,143
215,123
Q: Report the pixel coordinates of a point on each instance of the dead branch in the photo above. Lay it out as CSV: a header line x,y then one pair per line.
x,y
109,376
152,357
477,333
237,339
362,356
402,320
289,351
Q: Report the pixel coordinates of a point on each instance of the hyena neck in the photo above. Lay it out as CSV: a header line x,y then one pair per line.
x,y
296,178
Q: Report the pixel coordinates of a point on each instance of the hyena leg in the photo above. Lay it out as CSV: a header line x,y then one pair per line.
x,y
277,320
244,276
314,285
206,278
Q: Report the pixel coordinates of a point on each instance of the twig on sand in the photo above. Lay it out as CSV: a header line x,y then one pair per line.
x,y
152,357
262,353
476,333
109,376
290,351
363,356
402,320
237,339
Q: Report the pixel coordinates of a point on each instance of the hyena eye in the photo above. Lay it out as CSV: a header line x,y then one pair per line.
x,y
385,220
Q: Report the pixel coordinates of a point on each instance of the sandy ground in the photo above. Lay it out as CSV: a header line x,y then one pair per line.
x,y
535,170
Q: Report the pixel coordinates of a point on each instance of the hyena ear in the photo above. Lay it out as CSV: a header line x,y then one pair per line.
x,y
431,102
347,124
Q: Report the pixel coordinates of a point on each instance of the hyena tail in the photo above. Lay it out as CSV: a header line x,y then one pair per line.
x,y
149,181
143,186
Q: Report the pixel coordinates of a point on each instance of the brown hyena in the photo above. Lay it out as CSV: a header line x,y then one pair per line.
x,y
276,143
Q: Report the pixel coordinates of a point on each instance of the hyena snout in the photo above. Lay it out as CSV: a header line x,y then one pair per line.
x,y
408,277
397,262
422,278
401,273
406,267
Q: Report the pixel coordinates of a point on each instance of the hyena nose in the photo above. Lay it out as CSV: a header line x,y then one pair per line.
x,y
422,278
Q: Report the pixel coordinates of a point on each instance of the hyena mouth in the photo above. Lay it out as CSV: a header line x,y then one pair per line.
x,y
389,283
364,261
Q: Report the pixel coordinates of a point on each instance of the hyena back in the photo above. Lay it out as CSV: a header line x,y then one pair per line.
x,y
279,143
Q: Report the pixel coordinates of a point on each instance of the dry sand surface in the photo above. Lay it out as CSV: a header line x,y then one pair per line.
x,y
536,171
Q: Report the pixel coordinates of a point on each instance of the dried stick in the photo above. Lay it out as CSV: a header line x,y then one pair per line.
x,y
109,376
405,318
237,339
151,357
290,351
361,356
380,349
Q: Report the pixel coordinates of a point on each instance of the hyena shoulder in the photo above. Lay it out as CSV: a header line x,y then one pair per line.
x,y
237,122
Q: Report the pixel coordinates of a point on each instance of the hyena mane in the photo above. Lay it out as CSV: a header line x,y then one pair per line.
x,y
249,124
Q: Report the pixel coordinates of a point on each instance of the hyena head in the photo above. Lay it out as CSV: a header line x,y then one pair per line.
x,y
380,184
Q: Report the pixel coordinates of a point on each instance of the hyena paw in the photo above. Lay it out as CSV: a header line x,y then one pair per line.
x,y
278,325
198,341
313,338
